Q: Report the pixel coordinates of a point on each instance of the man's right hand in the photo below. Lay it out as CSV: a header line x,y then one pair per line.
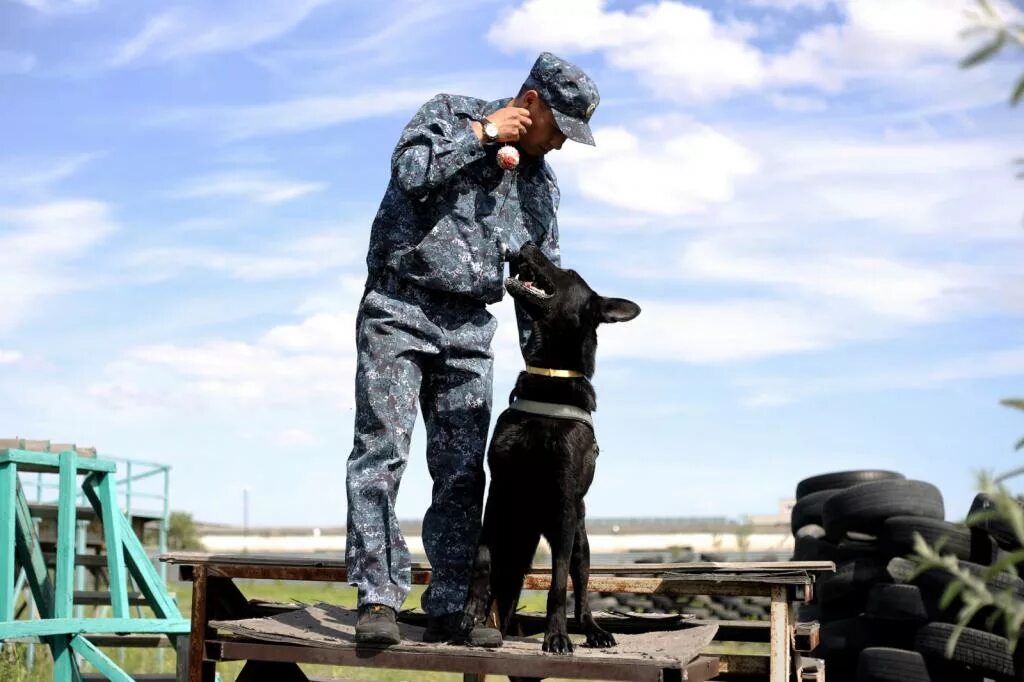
x,y
512,122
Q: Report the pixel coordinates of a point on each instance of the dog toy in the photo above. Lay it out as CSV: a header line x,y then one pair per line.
x,y
508,157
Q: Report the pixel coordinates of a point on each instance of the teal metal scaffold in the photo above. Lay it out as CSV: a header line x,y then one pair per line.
x,y
65,634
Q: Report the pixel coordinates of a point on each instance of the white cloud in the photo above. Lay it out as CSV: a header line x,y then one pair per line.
x,y
41,246
727,331
297,257
296,438
198,29
9,357
914,292
876,36
675,49
253,187
16,62
680,52
28,175
790,5
667,167
797,104
771,392
297,115
312,361
60,6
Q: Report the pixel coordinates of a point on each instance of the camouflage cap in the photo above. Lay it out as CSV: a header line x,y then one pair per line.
x,y
571,94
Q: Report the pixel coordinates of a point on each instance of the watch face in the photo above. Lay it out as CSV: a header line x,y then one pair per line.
x,y
491,130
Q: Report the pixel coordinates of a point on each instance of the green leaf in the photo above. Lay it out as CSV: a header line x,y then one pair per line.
x,y
1016,403
1018,92
985,52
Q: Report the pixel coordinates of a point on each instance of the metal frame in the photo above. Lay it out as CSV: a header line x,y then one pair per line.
x,y
58,625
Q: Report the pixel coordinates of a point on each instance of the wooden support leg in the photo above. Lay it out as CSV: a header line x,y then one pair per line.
x,y
8,493
99,660
780,635
65,569
199,669
102,486
181,646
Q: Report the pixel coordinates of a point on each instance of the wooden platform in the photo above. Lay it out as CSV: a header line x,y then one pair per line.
x,y
218,602
324,633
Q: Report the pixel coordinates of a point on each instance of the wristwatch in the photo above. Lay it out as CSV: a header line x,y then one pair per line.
x,y
490,131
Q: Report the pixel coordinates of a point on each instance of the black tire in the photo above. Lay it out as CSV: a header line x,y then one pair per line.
x,y
851,581
900,570
807,613
933,584
812,530
807,511
848,550
896,537
997,528
983,651
897,603
865,507
842,479
849,635
814,549
881,664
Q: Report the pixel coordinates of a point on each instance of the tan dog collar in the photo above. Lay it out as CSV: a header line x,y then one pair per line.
x,y
560,373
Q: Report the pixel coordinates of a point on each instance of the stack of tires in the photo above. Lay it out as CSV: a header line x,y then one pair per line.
x,y
876,623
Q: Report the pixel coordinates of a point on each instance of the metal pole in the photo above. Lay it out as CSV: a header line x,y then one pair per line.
x,y
245,519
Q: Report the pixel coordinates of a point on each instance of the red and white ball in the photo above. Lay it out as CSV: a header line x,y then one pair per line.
x,y
508,157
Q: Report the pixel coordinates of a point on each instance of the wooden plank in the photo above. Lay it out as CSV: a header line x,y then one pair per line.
x,y
743,665
8,496
65,569
106,495
718,584
30,556
328,561
65,667
88,560
454,659
103,598
77,626
780,639
139,565
85,513
199,669
661,586
701,669
99,660
48,462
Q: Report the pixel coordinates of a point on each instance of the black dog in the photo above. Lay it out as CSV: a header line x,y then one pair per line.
x,y
543,452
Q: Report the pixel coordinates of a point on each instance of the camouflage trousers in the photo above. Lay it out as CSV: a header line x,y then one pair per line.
x,y
418,346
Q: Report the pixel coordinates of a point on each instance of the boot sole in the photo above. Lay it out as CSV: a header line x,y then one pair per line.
x,y
375,638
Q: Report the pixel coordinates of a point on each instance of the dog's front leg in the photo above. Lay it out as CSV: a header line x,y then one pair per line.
x,y
556,638
478,600
579,569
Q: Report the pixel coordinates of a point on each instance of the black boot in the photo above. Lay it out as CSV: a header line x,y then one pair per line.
x,y
449,628
376,625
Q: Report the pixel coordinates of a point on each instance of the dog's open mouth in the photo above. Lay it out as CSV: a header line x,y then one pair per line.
x,y
528,282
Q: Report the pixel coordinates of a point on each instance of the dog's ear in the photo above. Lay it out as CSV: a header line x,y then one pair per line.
x,y
618,309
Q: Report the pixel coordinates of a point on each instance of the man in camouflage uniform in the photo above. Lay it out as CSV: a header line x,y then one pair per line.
x,y
423,333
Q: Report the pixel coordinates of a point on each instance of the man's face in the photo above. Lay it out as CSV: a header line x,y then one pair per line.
x,y
543,135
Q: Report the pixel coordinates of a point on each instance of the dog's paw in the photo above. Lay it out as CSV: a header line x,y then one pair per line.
x,y
599,639
557,643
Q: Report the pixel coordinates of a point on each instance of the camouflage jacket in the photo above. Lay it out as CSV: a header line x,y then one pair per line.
x,y
450,212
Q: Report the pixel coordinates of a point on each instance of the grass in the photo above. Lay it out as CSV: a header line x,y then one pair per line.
x,y
13,666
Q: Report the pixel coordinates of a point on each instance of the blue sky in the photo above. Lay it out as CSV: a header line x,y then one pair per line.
x,y
814,206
